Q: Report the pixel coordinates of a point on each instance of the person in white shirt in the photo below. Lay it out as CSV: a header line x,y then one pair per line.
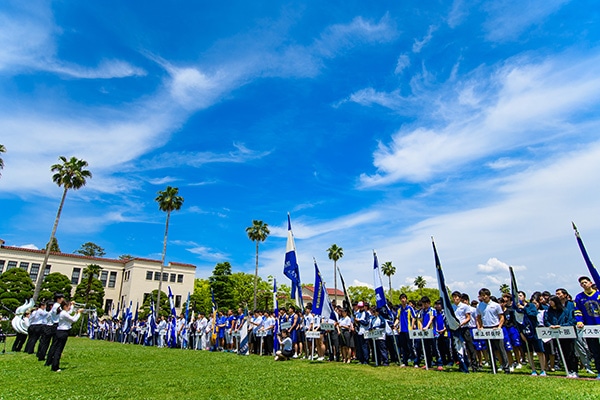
x,y
66,319
491,316
162,331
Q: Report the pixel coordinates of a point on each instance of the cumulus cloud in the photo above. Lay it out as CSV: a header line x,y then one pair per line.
x,y
522,103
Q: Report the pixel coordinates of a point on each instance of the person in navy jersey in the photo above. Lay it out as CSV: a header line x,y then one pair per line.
x,y
587,312
442,337
404,323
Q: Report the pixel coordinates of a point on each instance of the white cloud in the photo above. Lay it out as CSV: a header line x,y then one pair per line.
x,y
526,103
356,282
419,44
508,19
204,252
495,265
29,246
402,63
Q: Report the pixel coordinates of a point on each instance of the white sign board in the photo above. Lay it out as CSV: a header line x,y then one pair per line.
x,y
488,334
564,332
285,325
327,327
374,334
592,331
313,335
421,334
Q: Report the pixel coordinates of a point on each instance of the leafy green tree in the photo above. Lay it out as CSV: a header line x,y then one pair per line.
x,y
125,257
220,282
54,248
91,250
56,283
362,293
388,270
164,310
15,288
70,174
2,150
200,299
258,232
92,295
415,295
420,282
168,200
242,289
504,288
335,253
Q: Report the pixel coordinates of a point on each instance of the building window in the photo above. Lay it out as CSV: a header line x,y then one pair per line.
x,y
148,275
165,277
75,276
112,280
11,265
1,266
24,266
157,276
107,306
47,270
34,271
172,278
178,301
103,277
180,278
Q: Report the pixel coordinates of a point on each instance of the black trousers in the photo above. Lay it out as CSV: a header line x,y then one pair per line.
x,y
52,348
58,344
19,341
47,333
35,332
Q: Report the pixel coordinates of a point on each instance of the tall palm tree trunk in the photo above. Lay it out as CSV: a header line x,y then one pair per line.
x,y
40,277
256,275
335,280
390,281
162,264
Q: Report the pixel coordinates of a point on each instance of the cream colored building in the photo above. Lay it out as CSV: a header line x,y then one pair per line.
x,y
123,280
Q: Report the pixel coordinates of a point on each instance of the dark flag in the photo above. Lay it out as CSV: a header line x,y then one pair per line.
x,y
348,300
453,324
514,291
588,262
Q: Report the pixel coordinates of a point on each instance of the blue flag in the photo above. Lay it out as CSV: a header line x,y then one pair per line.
x,y
380,299
172,329
243,349
276,312
586,257
290,267
321,303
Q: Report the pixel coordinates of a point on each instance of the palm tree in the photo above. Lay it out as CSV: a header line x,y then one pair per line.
x,y
70,174
335,253
258,232
388,270
89,273
420,282
168,200
2,150
504,288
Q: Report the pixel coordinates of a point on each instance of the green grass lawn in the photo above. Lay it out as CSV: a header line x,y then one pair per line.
x,y
102,370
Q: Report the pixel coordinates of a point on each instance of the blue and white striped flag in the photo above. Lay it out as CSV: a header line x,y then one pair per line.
x,y
321,303
243,349
172,329
291,269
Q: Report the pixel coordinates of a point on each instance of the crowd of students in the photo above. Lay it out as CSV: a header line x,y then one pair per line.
x,y
364,334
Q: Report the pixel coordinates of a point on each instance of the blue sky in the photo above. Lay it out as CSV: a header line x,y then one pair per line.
x,y
375,125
